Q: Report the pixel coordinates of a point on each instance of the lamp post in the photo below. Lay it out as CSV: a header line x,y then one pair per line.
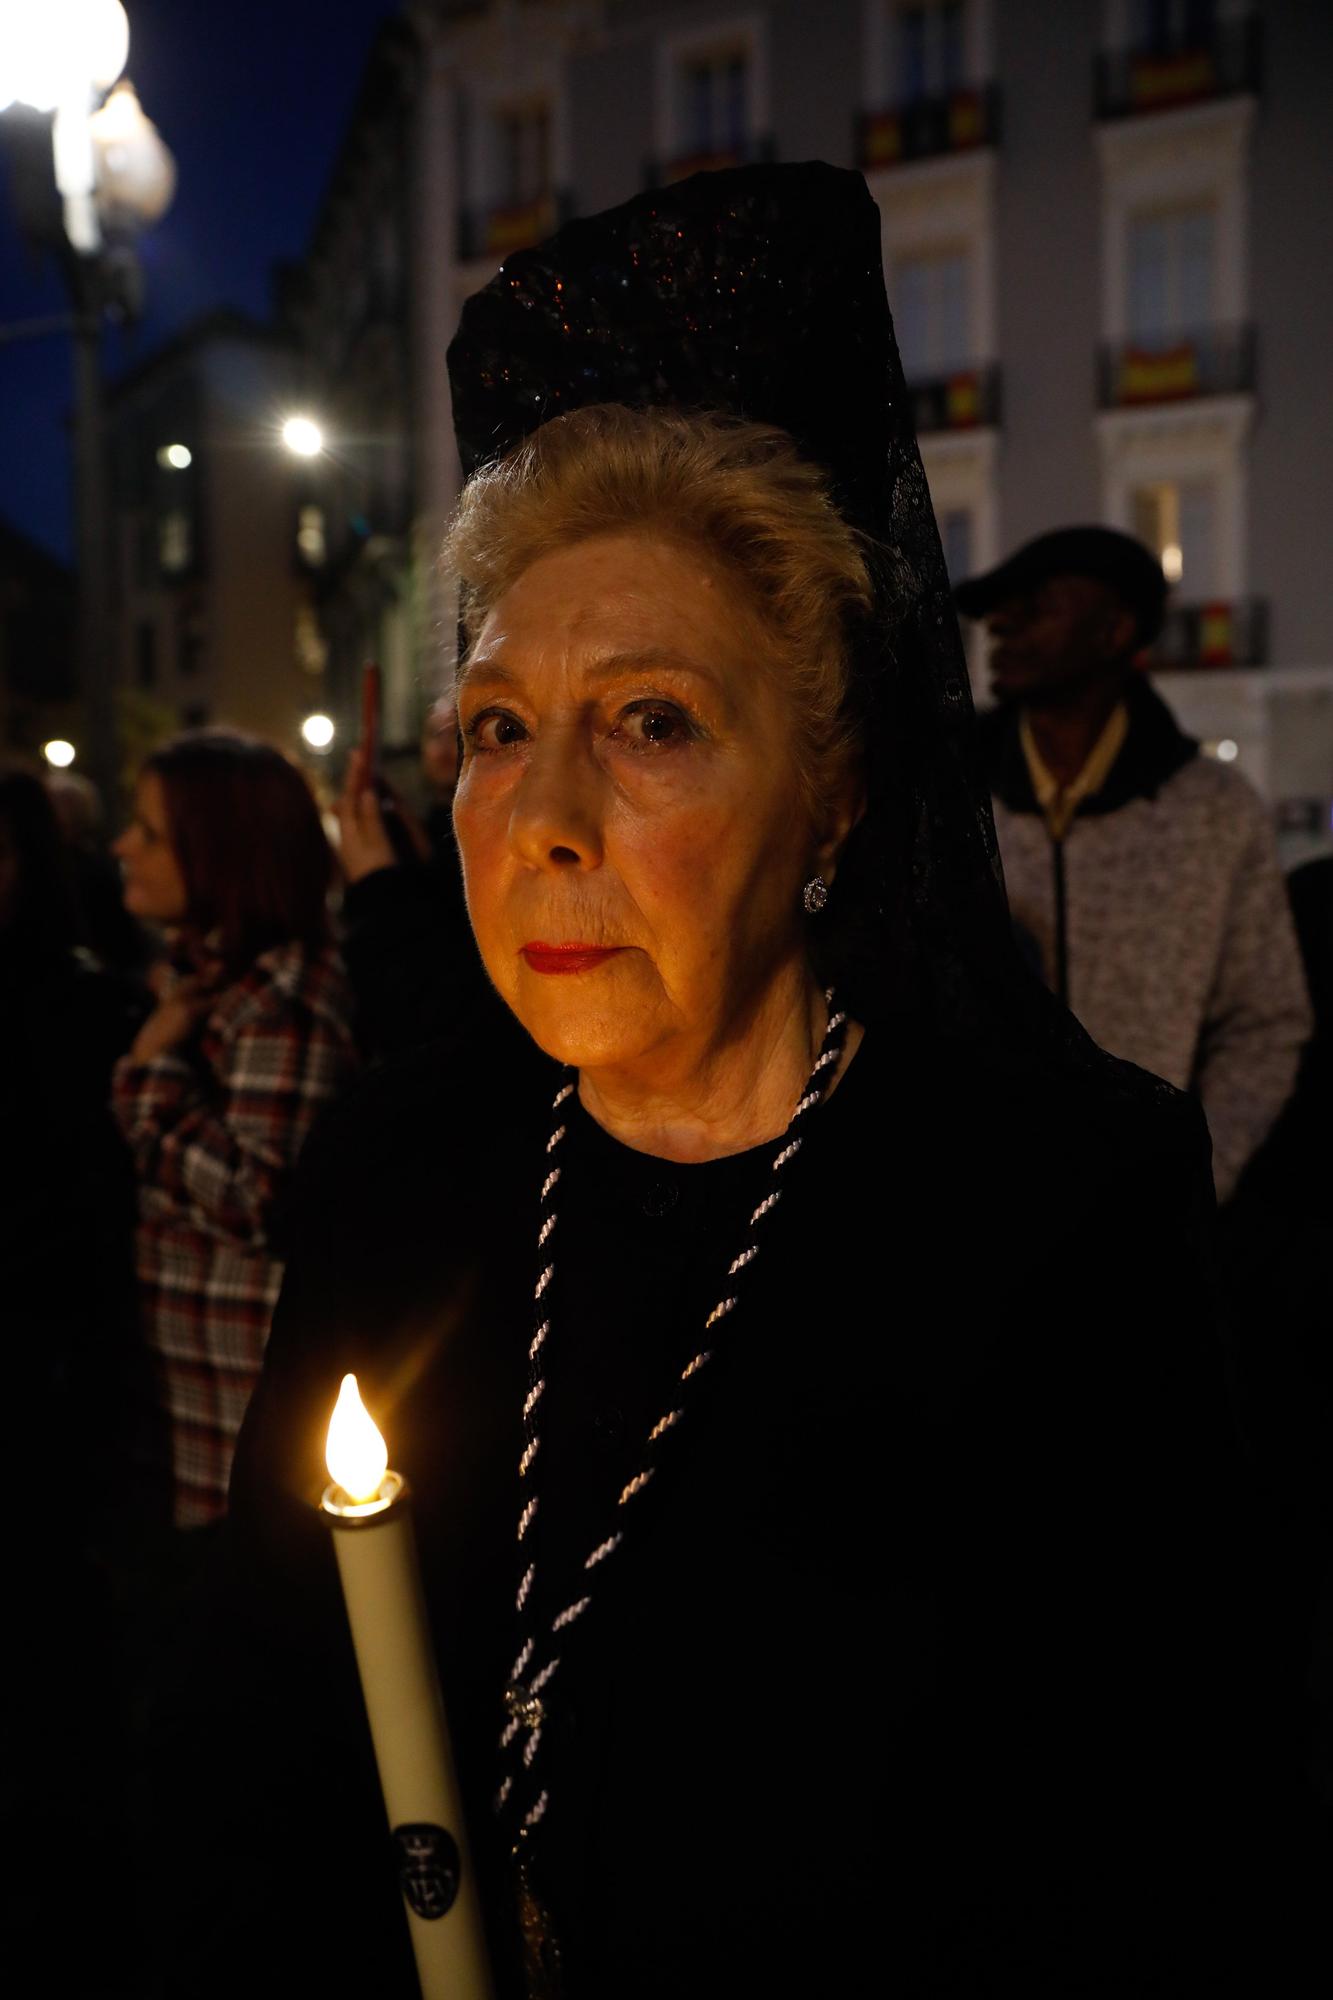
x,y
114,176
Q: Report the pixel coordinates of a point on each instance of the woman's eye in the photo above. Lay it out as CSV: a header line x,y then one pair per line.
x,y
651,725
494,729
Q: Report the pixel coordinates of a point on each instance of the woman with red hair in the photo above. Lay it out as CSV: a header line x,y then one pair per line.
x,y
250,1036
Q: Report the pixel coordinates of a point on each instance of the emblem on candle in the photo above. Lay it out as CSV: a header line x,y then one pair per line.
x,y
367,1505
429,1868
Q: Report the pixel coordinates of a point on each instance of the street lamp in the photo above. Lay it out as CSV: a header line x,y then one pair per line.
x,y
114,176
303,436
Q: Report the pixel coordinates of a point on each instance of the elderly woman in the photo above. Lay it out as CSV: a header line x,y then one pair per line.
x,y
823,1524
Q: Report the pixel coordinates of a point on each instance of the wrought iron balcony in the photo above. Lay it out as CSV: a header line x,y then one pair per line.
x,y
928,127
1223,633
963,400
749,152
1215,361
1162,76
499,230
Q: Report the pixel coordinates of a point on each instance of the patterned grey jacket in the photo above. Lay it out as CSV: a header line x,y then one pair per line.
x,y
1163,920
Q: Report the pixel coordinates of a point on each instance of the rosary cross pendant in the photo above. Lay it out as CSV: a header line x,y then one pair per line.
x,y
524,1706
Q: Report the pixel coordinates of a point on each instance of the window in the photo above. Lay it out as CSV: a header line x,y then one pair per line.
x,y
174,550
524,165
145,646
1170,286
1161,25
931,306
714,91
931,50
956,536
190,647
1178,521
310,538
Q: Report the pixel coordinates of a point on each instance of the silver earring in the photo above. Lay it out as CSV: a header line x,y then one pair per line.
x,y
815,895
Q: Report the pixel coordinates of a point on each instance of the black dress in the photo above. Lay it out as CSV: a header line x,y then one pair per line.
x,y
924,1669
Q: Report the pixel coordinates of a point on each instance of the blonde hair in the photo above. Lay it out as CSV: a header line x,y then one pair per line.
x,y
738,491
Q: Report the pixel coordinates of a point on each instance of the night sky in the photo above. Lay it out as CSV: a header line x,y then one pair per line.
x,y
252,98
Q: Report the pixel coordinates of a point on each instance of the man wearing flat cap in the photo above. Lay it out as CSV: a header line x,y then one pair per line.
x,y
1144,875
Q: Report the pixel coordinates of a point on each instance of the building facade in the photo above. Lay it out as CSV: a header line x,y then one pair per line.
x,y
214,610
1102,226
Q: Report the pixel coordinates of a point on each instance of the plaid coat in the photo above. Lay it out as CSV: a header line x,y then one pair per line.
x,y
215,1129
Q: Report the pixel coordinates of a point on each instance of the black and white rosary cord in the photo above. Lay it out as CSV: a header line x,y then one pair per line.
x,y
520,1740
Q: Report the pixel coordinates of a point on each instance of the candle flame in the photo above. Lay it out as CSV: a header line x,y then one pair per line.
x,y
355,1454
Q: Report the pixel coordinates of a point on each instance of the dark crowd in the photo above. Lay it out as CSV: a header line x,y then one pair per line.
x,y
182,1004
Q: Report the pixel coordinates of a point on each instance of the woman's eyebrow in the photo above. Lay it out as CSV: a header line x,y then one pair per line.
x,y
614,665
611,666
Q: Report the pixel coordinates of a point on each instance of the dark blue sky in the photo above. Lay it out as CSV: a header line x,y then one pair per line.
x,y
252,99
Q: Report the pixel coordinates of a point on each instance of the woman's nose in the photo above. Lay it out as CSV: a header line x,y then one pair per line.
x,y
555,817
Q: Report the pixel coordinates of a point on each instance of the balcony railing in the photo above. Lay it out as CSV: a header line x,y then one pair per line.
x,y
1226,63
749,152
498,231
1138,372
957,123
963,400
1224,633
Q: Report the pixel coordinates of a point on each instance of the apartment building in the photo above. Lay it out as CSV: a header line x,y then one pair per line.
x,y
214,538
1103,240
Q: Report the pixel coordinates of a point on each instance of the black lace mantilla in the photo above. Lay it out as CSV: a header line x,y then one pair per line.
x,y
760,292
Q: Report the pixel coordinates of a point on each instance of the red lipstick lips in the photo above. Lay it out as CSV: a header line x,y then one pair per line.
x,y
567,957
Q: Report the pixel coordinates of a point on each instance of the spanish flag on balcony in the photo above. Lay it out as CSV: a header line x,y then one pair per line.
x,y
1217,637
967,120
1158,375
509,229
1183,78
962,400
686,164
882,140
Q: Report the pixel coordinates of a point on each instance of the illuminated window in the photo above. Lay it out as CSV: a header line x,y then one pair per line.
x,y
1177,519
174,542
310,539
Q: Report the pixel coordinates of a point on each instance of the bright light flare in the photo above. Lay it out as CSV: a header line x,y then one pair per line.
x,y
1173,562
318,731
303,436
58,753
355,1454
175,457
60,51
1228,751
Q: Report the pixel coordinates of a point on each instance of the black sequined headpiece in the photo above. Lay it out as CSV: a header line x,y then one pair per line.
x,y
760,292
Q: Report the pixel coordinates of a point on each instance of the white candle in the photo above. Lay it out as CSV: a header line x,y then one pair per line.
x,y
367,1505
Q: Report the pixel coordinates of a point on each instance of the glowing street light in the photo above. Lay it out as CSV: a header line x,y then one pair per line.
x,y
303,436
318,731
58,753
52,54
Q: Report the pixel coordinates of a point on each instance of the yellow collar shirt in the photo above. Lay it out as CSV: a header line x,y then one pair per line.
x,y
1058,802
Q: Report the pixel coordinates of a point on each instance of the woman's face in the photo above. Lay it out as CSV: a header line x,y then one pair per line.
x,y
152,883
628,815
